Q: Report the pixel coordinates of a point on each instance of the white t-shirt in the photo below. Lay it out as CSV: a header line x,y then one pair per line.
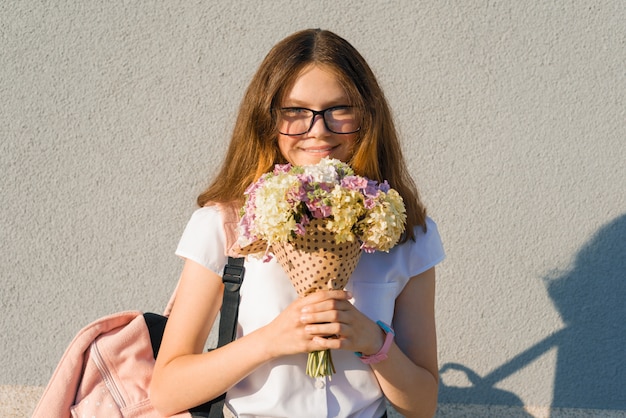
x,y
280,388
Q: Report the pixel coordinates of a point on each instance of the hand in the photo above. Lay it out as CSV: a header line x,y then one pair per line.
x,y
324,319
337,324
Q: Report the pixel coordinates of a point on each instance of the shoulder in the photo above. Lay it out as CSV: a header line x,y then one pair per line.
x,y
203,239
417,256
428,239
205,220
205,214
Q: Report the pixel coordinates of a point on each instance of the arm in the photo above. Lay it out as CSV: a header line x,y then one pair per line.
x,y
183,373
409,376
181,377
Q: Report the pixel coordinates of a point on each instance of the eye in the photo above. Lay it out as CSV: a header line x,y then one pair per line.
x,y
341,111
295,112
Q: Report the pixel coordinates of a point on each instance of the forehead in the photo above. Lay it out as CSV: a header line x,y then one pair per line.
x,y
316,84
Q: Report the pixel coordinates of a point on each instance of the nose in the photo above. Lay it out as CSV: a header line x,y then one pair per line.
x,y
318,126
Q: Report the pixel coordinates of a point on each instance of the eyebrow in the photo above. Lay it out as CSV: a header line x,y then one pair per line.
x,y
343,101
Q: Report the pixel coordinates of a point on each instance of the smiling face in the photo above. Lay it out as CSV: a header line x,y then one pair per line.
x,y
316,88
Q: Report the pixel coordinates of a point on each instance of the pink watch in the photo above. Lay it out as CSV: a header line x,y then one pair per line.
x,y
382,353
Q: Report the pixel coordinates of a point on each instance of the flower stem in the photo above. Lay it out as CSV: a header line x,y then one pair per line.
x,y
320,364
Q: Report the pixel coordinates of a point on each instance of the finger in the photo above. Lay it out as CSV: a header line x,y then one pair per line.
x,y
326,342
325,304
326,330
326,312
325,316
328,294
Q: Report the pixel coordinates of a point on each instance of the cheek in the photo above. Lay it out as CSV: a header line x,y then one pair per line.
x,y
350,145
285,144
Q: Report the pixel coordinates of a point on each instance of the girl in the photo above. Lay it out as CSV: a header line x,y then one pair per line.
x,y
313,96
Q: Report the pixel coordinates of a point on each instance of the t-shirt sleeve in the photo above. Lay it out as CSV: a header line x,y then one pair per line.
x,y
427,251
203,240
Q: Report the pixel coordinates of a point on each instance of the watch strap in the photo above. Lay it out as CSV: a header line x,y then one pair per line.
x,y
382,353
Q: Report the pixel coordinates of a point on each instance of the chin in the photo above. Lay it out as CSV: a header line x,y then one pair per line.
x,y
309,159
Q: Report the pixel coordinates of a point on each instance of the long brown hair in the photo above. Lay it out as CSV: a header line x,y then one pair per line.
x,y
253,149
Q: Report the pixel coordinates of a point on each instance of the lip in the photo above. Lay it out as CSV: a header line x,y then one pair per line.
x,y
319,150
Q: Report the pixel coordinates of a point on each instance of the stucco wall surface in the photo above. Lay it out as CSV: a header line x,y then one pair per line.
x,y
114,115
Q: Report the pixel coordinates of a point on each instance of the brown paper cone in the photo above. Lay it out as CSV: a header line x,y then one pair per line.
x,y
257,247
314,261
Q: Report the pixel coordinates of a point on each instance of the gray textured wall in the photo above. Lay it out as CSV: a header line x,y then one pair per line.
x,y
114,115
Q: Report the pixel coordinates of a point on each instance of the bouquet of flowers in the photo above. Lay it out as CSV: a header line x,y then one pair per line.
x,y
316,220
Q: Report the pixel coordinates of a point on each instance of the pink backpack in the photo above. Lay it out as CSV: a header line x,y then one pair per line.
x,y
107,368
105,372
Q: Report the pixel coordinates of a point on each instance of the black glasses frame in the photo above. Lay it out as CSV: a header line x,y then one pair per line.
x,y
315,113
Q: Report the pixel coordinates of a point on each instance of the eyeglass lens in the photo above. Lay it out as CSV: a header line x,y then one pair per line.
x,y
299,120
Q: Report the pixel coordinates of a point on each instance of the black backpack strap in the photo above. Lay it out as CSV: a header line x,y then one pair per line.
x,y
156,327
232,279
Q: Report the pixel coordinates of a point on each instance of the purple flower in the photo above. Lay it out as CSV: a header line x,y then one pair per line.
x,y
300,229
282,168
267,257
372,188
255,186
296,195
369,202
354,182
319,210
247,224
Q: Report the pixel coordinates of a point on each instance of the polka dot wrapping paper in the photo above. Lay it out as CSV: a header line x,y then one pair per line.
x,y
314,261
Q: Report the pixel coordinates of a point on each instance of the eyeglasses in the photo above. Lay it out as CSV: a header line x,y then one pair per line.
x,y
294,121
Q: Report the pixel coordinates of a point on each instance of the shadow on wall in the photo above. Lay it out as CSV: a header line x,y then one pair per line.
x,y
591,354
